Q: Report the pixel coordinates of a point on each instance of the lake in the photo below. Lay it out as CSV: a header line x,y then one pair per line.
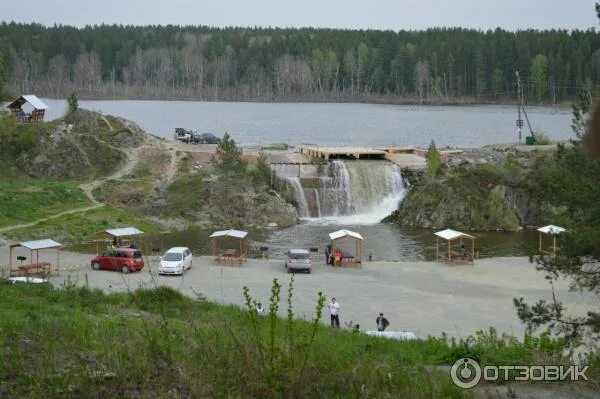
x,y
345,124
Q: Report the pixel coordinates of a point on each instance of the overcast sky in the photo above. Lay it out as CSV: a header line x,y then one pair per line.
x,y
365,14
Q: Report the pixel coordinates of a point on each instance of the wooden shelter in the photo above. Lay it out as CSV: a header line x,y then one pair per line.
x,y
33,268
229,255
452,256
337,237
116,236
553,231
35,116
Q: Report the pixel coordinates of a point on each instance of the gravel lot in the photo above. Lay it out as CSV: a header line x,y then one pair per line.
x,y
426,298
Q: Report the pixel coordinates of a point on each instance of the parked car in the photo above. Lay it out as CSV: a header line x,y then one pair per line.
x,y
204,138
298,259
124,260
183,135
175,261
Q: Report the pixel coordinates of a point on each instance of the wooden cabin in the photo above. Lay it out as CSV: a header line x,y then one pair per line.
x,y
21,115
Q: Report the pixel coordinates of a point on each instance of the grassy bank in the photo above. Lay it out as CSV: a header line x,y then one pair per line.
x,y
158,343
26,200
80,227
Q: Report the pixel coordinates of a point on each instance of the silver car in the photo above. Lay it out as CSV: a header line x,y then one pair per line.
x,y
298,259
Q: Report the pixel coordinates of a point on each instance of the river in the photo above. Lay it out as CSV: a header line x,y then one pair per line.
x,y
346,124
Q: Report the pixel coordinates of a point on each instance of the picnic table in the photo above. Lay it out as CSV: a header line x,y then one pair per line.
x,y
230,256
39,268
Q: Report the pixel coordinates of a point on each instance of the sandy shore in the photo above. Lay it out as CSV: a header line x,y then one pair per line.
x,y
427,298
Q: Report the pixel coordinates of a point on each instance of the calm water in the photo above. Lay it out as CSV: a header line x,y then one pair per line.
x,y
333,124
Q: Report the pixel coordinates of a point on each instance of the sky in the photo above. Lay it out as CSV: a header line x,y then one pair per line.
x,y
351,14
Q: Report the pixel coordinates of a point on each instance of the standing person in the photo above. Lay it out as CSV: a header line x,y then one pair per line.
x,y
382,322
260,310
334,311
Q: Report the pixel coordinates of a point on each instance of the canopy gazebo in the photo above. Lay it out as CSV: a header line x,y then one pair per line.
x,y
451,256
116,236
339,256
553,231
32,268
229,254
37,113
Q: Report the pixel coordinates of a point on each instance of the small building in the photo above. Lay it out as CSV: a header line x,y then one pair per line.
x,y
28,109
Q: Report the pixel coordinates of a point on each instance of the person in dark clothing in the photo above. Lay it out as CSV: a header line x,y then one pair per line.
x,y
382,322
328,255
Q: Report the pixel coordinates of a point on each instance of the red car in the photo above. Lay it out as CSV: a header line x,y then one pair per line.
x,y
123,259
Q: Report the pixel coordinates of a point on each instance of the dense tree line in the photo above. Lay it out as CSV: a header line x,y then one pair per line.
x,y
297,64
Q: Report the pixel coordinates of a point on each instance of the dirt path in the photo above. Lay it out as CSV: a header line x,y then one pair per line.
x,y
132,159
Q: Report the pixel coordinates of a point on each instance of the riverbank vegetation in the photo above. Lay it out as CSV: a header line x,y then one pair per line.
x,y
81,227
75,342
438,65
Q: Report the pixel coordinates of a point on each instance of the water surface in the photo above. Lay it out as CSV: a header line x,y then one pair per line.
x,y
347,124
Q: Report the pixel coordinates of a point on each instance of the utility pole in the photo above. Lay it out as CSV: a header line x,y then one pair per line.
x,y
519,100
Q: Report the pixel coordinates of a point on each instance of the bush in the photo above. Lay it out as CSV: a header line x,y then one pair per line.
x,y
434,159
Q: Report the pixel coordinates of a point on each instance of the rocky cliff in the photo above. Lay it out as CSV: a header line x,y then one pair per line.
x,y
480,189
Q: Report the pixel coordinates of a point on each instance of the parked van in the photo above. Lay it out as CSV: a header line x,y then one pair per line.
x,y
298,259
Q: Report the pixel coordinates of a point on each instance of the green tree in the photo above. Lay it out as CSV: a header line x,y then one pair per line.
x,y
2,78
497,81
580,108
433,159
72,103
539,67
229,155
577,259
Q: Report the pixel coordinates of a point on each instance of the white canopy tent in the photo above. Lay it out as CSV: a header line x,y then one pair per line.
x,y
553,231
36,267
342,235
229,254
451,235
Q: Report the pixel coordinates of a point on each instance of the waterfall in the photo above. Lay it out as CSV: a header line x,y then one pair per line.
x,y
345,192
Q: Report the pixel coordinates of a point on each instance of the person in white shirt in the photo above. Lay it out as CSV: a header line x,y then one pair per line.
x,y
334,311
260,310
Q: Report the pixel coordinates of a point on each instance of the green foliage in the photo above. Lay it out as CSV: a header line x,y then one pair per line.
x,y
16,139
90,342
541,138
539,67
262,170
576,208
581,109
184,195
229,155
331,63
72,103
79,227
26,200
433,159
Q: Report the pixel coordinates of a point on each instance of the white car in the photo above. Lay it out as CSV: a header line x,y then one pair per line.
x,y
175,261
298,259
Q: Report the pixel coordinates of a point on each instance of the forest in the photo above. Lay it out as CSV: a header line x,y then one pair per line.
x,y
442,65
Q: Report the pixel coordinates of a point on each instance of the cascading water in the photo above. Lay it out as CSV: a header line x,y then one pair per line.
x,y
344,192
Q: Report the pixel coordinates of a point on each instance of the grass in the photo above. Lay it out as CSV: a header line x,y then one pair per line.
x,y
185,195
80,227
26,200
77,342
123,192
276,147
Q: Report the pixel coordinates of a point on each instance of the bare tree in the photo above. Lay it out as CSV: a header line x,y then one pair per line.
x,y
422,78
